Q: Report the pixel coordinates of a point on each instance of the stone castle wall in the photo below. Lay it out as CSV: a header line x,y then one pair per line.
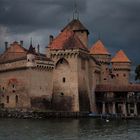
x,y
19,87
65,82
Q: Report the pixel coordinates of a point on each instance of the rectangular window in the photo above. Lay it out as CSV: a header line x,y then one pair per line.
x,y
7,98
64,79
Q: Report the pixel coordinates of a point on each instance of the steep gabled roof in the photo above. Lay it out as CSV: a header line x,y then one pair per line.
x,y
15,47
120,57
75,25
99,48
67,40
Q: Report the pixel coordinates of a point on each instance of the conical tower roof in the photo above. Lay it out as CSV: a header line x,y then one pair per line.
x,y
99,48
120,57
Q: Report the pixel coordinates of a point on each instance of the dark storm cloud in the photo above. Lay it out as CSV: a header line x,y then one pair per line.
x,y
28,15
117,21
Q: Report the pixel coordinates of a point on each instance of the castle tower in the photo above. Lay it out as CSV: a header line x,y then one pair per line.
x,y
101,54
121,66
79,29
70,88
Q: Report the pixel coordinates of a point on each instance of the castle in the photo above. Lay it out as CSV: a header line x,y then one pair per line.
x,y
70,76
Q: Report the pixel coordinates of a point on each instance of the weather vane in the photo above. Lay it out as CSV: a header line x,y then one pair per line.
x,y
75,12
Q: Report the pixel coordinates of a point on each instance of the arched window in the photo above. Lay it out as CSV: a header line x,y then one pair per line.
x,y
62,61
16,99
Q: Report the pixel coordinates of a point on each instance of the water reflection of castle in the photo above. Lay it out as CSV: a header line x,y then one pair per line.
x,y
69,77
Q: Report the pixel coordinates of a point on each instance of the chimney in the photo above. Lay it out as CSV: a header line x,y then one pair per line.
x,y
51,38
38,48
6,46
21,43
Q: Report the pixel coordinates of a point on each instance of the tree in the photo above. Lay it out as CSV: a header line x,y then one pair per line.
x,y
137,72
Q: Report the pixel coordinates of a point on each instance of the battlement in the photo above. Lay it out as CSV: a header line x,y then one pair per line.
x,y
121,66
103,59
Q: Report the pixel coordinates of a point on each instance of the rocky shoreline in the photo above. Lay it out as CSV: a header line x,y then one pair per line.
x,y
40,114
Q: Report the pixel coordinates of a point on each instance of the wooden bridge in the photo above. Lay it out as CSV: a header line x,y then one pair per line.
x,y
115,88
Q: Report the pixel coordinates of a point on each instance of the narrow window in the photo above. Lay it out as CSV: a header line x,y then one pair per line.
x,y
64,79
62,94
83,64
13,86
16,99
7,98
117,75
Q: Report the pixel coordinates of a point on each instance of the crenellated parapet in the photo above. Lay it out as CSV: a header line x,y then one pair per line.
x,y
121,66
64,53
103,59
70,53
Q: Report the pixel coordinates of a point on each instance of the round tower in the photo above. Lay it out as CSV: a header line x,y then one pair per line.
x,y
121,66
101,54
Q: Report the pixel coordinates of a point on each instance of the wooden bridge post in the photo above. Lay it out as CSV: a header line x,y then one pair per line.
x,y
114,108
124,109
135,109
103,108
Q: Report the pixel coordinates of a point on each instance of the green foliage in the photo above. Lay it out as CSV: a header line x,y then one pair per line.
x,y
137,72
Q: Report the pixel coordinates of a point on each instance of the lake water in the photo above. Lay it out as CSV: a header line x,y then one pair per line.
x,y
69,129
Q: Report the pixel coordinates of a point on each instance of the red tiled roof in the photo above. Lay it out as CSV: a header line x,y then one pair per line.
x,y
75,25
66,40
99,48
12,80
120,57
16,48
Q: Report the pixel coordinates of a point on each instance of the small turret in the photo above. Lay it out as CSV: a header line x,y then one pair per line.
x,y
31,56
48,53
101,54
121,66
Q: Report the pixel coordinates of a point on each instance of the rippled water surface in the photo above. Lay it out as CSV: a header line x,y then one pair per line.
x,y
69,129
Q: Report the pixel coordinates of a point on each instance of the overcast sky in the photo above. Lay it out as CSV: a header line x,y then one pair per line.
x,y
117,22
